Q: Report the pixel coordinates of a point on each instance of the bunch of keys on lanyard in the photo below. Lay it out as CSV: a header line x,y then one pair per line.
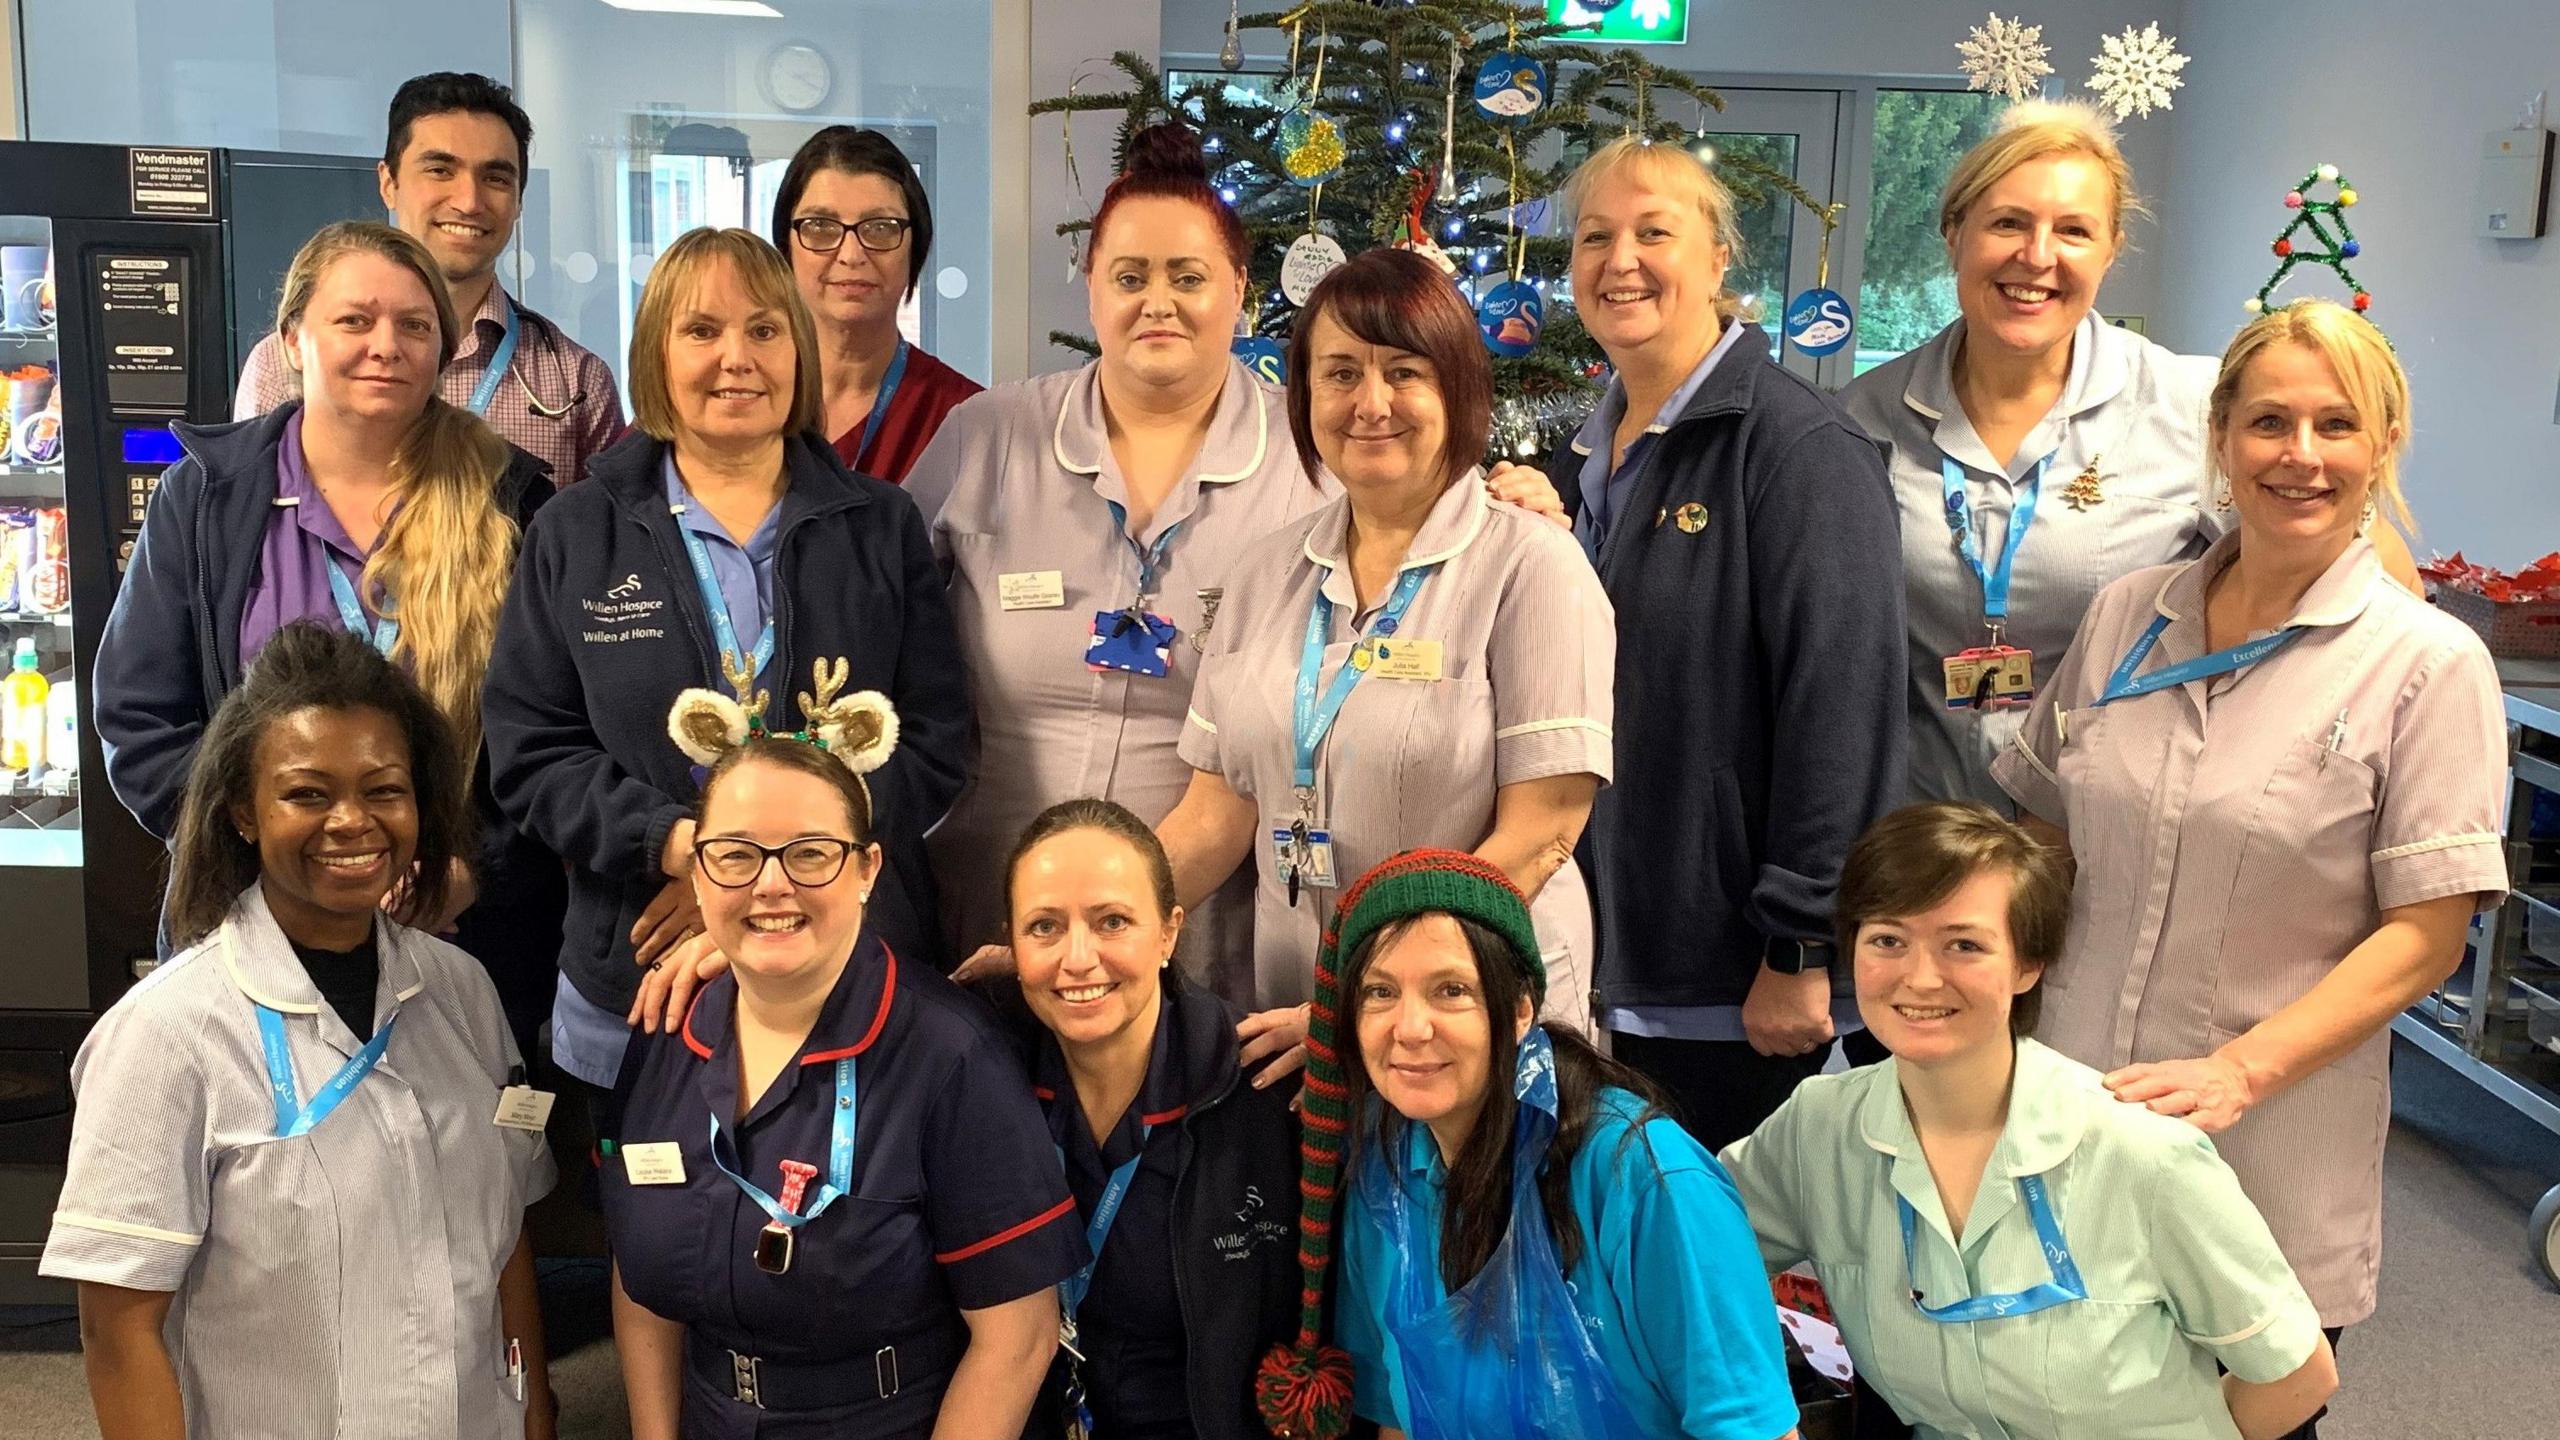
x,y
1997,675
1135,640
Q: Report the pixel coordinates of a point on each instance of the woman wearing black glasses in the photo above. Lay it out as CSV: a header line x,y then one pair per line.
x,y
834,1206
853,217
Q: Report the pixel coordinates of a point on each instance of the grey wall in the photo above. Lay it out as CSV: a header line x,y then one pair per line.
x,y
2400,98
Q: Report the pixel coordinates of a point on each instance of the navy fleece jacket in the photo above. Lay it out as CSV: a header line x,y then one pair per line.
x,y
172,645
606,625
1760,673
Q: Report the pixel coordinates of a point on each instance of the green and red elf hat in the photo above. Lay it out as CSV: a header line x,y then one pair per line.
x,y
1304,1389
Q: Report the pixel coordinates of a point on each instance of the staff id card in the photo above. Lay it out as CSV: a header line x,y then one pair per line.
x,y
521,1107
655,1162
1990,677
1135,641
1305,856
1402,659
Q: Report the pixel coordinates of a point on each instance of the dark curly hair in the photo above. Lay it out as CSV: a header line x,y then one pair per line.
x,y
307,666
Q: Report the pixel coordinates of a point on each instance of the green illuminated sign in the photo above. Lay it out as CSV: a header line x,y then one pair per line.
x,y
1626,22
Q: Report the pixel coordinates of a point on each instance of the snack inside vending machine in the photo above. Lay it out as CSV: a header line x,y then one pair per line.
x,y
131,279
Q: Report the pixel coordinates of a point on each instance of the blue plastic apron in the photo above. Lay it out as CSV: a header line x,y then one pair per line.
x,y
1506,1357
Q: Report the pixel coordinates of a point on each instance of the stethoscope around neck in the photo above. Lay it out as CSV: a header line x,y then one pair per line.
x,y
533,401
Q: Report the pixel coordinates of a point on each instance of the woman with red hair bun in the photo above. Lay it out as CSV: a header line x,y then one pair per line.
x,y
1417,663
1087,521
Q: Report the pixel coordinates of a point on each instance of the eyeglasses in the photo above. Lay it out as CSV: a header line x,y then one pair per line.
x,y
809,862
824,235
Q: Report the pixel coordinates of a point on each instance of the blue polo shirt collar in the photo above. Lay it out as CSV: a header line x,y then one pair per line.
x,y
1592,441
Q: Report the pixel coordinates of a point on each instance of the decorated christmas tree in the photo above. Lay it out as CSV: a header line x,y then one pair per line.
x,y
1442,125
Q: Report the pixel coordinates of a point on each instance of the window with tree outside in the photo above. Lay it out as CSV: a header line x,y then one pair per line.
x,y
1906,294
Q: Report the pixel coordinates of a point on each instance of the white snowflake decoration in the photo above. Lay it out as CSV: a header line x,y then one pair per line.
x,y
2005,57
2136,71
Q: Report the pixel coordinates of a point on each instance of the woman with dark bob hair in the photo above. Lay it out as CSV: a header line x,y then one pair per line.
x,y
1530,1247
1451,655
1185,1178
853,219
216,1199
2009,1249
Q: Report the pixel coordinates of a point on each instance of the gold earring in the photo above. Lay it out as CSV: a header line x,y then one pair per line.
x,y
2222,500
2364,521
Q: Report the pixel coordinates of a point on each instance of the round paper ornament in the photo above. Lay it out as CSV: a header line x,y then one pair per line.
x,y
1511,314
1311,257
1819,322
1511,87
1266,358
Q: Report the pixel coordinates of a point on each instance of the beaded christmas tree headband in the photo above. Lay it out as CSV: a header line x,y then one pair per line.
x,y
2326,221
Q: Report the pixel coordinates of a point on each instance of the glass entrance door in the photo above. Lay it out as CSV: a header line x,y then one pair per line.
x,y
1795,132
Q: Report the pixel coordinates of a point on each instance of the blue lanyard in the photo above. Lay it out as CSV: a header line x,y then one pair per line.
x,y
382,634
1072,1290
1314,715
1995,583
2065,1286
839,1158
880,402
723,633
293,1118
1151,558
499,360
2122,683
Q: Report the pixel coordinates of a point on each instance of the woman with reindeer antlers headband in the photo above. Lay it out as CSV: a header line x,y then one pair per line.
x,y
833,1203
723,540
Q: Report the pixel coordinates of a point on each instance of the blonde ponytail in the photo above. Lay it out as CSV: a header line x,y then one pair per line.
x,y
445,559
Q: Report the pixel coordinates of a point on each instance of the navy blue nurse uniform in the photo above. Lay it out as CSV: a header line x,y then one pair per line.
x,y
957,1203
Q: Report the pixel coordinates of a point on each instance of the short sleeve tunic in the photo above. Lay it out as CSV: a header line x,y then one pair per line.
x,y
957,1204
2237,837
2131,417
1528,646
1017,489
360,1259
2181,1272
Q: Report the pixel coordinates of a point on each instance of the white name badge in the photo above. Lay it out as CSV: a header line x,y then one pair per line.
x,y
1032,590
655,1162
1401,659
521,1107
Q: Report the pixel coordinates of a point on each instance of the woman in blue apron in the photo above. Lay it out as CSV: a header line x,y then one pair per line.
x,y
834,1208
295,1197
2008,1249
1185,1176
1529,1246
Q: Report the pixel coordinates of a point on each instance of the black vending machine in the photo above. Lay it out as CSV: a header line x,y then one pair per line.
x,y
132,283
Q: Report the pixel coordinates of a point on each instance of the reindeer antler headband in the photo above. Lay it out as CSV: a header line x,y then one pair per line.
x,y
859,730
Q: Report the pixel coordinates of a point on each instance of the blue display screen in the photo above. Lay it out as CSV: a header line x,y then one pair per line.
x,y
152,447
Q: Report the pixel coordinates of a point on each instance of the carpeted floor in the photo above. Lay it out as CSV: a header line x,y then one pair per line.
x,y
2455,1354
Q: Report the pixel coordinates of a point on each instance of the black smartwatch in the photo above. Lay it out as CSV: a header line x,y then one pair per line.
x,y
1794,957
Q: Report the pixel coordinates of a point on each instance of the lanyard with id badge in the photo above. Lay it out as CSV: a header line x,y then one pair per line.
x,y
1135,640
1997,675
1073,1289
1304,849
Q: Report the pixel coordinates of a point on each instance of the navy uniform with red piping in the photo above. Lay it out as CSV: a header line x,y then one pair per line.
x,y
957,1204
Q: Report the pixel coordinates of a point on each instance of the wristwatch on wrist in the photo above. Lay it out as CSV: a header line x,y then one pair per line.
x,y
1794,957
